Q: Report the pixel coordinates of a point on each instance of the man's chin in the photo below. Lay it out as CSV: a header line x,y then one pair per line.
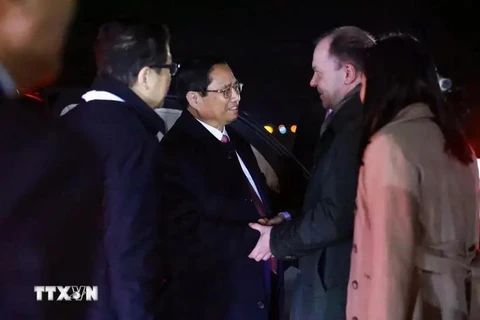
x,y
160,105
325,104
233,117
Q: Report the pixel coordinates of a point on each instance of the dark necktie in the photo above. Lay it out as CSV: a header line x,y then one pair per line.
x,y
259,206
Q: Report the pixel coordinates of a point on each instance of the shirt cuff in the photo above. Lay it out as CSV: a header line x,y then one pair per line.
x,y
285,215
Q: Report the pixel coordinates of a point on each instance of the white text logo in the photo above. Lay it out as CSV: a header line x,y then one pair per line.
x,y
68,293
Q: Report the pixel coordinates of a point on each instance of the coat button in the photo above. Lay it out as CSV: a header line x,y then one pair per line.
x,y
260,305
354,318
354,284
355,250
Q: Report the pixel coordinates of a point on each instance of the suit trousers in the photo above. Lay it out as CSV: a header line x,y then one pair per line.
x,y
275,303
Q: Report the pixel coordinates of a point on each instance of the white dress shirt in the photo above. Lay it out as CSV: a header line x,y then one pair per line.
x,y
219,134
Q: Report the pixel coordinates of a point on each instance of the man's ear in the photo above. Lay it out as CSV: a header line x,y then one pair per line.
x,y
143,78
194,99
351,73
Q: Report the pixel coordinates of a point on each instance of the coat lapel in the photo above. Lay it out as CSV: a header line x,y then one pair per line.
x,y
350,110
246,154
323,145
198,133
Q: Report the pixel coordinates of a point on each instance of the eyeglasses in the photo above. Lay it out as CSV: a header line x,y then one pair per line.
x,y
173,67
227,92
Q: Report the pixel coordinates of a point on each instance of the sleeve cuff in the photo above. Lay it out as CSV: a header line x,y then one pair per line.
x,y
286,215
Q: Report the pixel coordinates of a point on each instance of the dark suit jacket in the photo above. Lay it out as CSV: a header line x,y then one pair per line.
x,y
321,234
206,206
124,134
50,202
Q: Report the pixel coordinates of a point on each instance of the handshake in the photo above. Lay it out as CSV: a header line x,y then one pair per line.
x,y
279,218
262,250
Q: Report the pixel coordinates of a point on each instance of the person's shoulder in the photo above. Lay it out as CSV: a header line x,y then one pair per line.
x,y
106,118
177,140
236,136
350,134
383,145
61,134
177,149
100,109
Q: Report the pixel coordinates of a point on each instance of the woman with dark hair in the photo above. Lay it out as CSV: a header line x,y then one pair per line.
x,y
416,226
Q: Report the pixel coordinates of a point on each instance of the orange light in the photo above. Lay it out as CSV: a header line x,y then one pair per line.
x,y
293,128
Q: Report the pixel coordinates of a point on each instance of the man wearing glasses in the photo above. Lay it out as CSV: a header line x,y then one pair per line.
x,y
134,72
211,188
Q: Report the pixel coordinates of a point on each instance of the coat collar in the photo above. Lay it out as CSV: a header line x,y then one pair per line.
x,y
147,114
214,131
351,110
413,112
190,125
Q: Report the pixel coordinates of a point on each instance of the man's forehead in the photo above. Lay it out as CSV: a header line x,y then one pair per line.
x,y
322,50
222,75
321,55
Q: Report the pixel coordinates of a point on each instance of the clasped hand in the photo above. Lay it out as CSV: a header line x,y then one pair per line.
x,y
262,250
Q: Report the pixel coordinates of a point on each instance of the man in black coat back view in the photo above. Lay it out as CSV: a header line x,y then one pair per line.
x,y
134,70
50,187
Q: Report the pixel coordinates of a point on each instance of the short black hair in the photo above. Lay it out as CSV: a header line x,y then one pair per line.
x,y
348,45
194,75
124,47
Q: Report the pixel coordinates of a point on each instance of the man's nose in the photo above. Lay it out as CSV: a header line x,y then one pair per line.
x,y
235,95
313,81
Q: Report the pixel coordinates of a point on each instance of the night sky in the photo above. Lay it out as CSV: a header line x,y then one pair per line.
x,y
269,44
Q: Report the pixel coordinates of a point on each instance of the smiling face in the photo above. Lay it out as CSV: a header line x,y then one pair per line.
x,y
328,75
219,106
